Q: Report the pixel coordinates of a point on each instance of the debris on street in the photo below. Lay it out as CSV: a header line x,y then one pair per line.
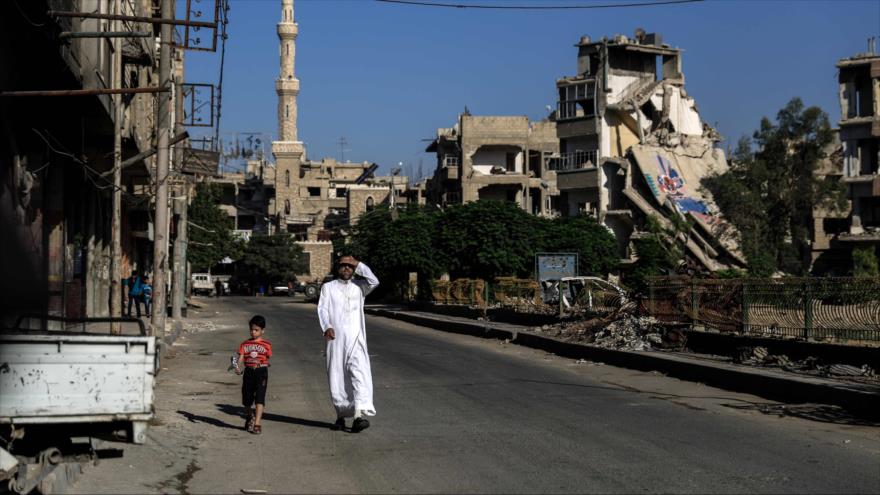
x,y
760,356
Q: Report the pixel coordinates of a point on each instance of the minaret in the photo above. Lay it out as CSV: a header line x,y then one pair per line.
x,y
288,150
287,85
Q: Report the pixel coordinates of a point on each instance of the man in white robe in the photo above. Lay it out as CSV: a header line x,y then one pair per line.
x,y
341,314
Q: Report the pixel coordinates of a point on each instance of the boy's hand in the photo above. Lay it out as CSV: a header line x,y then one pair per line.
x,y
237,370
329,335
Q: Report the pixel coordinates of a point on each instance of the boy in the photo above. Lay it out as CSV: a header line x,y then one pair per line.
x,y
147,294
254,355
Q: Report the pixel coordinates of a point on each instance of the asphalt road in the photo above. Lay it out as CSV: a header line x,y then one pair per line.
x,y
462,414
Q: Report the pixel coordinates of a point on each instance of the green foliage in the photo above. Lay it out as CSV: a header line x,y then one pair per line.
x,y
394,247
488,239
483,239
731,273
273,258
865,262
658,253
770,194
211,236
595,245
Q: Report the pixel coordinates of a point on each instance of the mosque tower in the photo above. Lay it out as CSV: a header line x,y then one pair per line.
x,y
288,150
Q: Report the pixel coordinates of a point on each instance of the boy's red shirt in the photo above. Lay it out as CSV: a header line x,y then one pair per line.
x,y
256,352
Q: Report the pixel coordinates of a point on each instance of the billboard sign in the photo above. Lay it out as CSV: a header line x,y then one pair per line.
x,y
554,266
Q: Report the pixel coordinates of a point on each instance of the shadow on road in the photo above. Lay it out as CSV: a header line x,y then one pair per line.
x,y
813,412
238,411
195,418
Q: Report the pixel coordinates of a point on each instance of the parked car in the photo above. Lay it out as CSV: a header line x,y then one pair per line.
x,y
202,283
282,289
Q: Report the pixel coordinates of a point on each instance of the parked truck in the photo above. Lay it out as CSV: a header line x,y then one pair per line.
x,y
71,383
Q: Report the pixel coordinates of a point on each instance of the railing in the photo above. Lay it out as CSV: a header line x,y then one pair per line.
x,y
572,160
581,295
503,292
840,310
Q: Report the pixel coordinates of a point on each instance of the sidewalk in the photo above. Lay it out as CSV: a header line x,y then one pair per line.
x,y
772,384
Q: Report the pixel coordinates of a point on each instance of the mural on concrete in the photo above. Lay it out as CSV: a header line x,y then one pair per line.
x,y
673,185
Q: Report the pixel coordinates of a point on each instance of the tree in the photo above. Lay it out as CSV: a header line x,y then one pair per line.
x,y
658,252
489,239
595,245
273,258
865,262
211,236
769,193
395,247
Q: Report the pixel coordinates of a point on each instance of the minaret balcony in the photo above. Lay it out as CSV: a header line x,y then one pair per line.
x,y
287,85
287,29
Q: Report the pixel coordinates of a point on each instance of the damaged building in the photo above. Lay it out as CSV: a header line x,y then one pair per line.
x,y
859,79
632,145
500,158
56,154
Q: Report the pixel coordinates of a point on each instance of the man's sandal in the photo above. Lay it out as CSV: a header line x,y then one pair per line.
x,y
249,424
257,429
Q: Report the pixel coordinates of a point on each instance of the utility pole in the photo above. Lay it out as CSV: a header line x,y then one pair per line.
x,y
181,200
116,203
160,219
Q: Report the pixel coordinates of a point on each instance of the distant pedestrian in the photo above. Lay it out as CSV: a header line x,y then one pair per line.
x,y
341,314
218,287
254,355
135,291
147,290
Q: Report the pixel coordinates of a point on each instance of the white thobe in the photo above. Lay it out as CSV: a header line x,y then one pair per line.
x,y
341,308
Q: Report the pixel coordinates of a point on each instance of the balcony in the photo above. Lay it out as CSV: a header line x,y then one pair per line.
x,y
573,160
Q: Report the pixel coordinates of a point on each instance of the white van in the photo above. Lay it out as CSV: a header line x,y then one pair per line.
x,y
202,283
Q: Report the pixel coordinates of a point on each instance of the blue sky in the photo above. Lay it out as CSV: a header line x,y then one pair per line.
x,y
387,76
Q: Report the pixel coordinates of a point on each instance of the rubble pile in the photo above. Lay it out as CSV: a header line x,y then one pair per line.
x,y
634,333
760,356
621,331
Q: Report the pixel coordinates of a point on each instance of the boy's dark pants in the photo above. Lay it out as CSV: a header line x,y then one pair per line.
x,y
253,386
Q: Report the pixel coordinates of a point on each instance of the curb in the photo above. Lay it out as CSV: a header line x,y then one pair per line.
x,y
758,382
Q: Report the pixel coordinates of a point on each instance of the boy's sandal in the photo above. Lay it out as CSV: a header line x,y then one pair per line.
x,y
249,424
257,429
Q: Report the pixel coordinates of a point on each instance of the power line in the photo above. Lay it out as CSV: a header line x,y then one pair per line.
x,y
535,7
224,9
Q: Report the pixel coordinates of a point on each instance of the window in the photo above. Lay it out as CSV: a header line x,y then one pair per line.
x,y
314,192
287,48
286,111
287,178
340,192
287,207
369,203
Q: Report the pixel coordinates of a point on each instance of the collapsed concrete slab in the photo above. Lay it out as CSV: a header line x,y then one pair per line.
x,y
633,145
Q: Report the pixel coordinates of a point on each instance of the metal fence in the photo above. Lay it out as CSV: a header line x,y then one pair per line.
x,y
844,310
528,296
502,292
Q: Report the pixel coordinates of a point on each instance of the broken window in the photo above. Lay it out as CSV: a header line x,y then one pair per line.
x,y
576,100
314,192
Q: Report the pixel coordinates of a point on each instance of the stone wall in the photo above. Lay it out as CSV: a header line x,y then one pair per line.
x,y
320,260
357,200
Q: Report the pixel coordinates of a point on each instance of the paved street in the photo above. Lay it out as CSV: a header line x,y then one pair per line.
x,y
462,414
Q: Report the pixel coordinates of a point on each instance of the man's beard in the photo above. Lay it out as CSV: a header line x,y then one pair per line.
x,y
345,276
